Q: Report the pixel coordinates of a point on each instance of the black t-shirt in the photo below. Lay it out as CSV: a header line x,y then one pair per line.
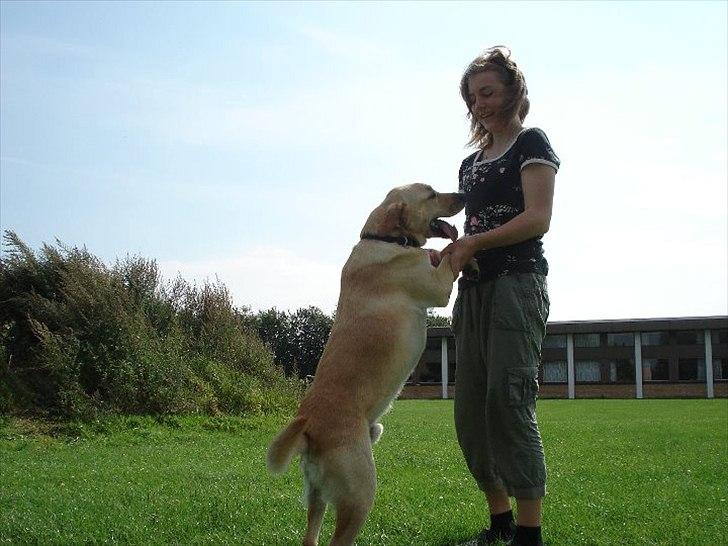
x,y
494,196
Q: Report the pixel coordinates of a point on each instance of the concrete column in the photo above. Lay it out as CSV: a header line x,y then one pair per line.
x,y
709,363
570,364
638,363
443,363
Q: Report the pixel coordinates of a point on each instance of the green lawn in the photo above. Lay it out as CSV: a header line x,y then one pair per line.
x,y
621,472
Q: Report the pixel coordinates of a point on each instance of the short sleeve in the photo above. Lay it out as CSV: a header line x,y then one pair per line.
x,y
534,147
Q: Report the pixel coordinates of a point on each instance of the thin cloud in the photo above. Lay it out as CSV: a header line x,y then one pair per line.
x,y
265,277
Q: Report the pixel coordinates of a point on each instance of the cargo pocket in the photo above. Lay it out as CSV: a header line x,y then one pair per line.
x,y
522,386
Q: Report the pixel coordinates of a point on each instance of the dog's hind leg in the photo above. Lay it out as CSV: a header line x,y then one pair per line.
x,y
354,500
316,510
350,516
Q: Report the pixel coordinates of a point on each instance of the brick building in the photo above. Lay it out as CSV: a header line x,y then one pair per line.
x,y
639,358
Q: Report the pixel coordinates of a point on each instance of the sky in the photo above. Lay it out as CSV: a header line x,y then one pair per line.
x,y
248,142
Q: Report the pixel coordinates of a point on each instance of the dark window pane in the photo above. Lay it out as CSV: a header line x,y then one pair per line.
x,y
621,370
719,336
655,338
587,371
555,341
691,369
586,340
554,371
690,337
655,369
620,340
720,368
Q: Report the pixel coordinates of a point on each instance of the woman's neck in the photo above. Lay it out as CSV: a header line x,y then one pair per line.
x,y
500,137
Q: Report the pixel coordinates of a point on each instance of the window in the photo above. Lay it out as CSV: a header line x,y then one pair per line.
x,y
720,368
587,371
586,340
554,371
431,372
555,341
655,338
691,369
621,370
719,336
620,340
655,369
690,337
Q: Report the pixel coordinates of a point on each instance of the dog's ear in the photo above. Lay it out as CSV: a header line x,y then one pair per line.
x,y
395,217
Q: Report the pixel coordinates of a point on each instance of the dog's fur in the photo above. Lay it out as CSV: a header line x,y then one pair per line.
x,y
377,338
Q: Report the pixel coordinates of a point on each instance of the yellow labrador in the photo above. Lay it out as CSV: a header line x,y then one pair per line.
x,y
377,338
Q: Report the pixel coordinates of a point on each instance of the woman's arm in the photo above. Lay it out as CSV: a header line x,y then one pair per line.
x,y
538,182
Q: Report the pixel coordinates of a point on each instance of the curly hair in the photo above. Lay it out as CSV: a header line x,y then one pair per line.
x,y
497,59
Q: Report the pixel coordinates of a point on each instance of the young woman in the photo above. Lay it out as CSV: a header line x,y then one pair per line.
x,y
499,317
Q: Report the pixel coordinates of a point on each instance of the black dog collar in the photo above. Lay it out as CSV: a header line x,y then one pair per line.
x,y
401,240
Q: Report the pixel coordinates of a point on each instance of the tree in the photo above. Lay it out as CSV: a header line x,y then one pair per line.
x,y
434,320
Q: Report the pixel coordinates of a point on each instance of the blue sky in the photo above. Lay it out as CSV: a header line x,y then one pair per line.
x,y
249,141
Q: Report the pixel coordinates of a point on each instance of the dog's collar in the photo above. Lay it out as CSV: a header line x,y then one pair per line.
x,y
402,240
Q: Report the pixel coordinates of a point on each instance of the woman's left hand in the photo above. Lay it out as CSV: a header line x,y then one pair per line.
x,y
461,252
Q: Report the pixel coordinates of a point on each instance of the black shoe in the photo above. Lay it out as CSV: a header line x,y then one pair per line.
x,y
516,542
493,536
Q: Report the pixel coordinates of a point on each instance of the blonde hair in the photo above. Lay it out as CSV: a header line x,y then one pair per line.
x,y
498,59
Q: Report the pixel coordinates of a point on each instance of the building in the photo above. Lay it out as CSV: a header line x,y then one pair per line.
x,y
639,358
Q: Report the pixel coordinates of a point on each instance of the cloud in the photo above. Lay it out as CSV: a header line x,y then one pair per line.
x,y
265,277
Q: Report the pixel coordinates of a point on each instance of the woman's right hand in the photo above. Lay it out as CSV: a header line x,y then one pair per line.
x,y
461,253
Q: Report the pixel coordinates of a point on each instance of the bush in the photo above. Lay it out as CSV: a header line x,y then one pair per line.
x,y
297,340
78,337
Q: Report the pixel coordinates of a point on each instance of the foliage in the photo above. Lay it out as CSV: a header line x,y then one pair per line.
x,y
297,340
435,320
78,337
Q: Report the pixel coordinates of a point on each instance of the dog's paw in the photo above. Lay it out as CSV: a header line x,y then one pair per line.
x,y
435,257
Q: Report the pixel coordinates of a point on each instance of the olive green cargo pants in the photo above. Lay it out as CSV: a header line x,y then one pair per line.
x,y
499,326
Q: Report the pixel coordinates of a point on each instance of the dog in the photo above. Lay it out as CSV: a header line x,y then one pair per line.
x,y
377,338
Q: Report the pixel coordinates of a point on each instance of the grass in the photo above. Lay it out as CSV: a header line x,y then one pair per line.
x,y
620,472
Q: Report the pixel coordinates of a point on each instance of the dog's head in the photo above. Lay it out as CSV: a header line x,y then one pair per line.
x,y
414,211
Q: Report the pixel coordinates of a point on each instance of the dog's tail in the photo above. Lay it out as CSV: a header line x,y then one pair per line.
x,y
286,445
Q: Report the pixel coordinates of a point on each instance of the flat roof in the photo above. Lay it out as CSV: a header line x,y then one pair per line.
x,y
619,325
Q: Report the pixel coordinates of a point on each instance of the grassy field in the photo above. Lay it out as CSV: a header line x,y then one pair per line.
x,y
620,472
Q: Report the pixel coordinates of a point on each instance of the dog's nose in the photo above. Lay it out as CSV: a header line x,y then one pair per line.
x,y
461,197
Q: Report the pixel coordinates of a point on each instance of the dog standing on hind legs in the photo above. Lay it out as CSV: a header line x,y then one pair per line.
x,y
376,340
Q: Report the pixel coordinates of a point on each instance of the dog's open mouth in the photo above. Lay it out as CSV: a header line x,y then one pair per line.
x,y
440,228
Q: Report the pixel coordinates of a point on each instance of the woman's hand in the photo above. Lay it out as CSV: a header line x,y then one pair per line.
x,y
461,252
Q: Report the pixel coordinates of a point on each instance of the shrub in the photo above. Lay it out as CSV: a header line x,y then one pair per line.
x,y
297,340
83,337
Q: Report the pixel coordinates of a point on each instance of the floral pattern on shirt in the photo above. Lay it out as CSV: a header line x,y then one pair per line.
x,y
494,196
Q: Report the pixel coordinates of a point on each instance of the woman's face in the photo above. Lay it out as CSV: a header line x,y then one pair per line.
x,y
486,96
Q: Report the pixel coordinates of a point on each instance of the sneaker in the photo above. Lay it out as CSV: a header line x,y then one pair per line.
x,y
493,536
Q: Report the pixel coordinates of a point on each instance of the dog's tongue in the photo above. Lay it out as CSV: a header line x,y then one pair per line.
x,y
447,229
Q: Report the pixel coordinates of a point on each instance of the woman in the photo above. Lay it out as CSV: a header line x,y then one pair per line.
x,y
499,317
